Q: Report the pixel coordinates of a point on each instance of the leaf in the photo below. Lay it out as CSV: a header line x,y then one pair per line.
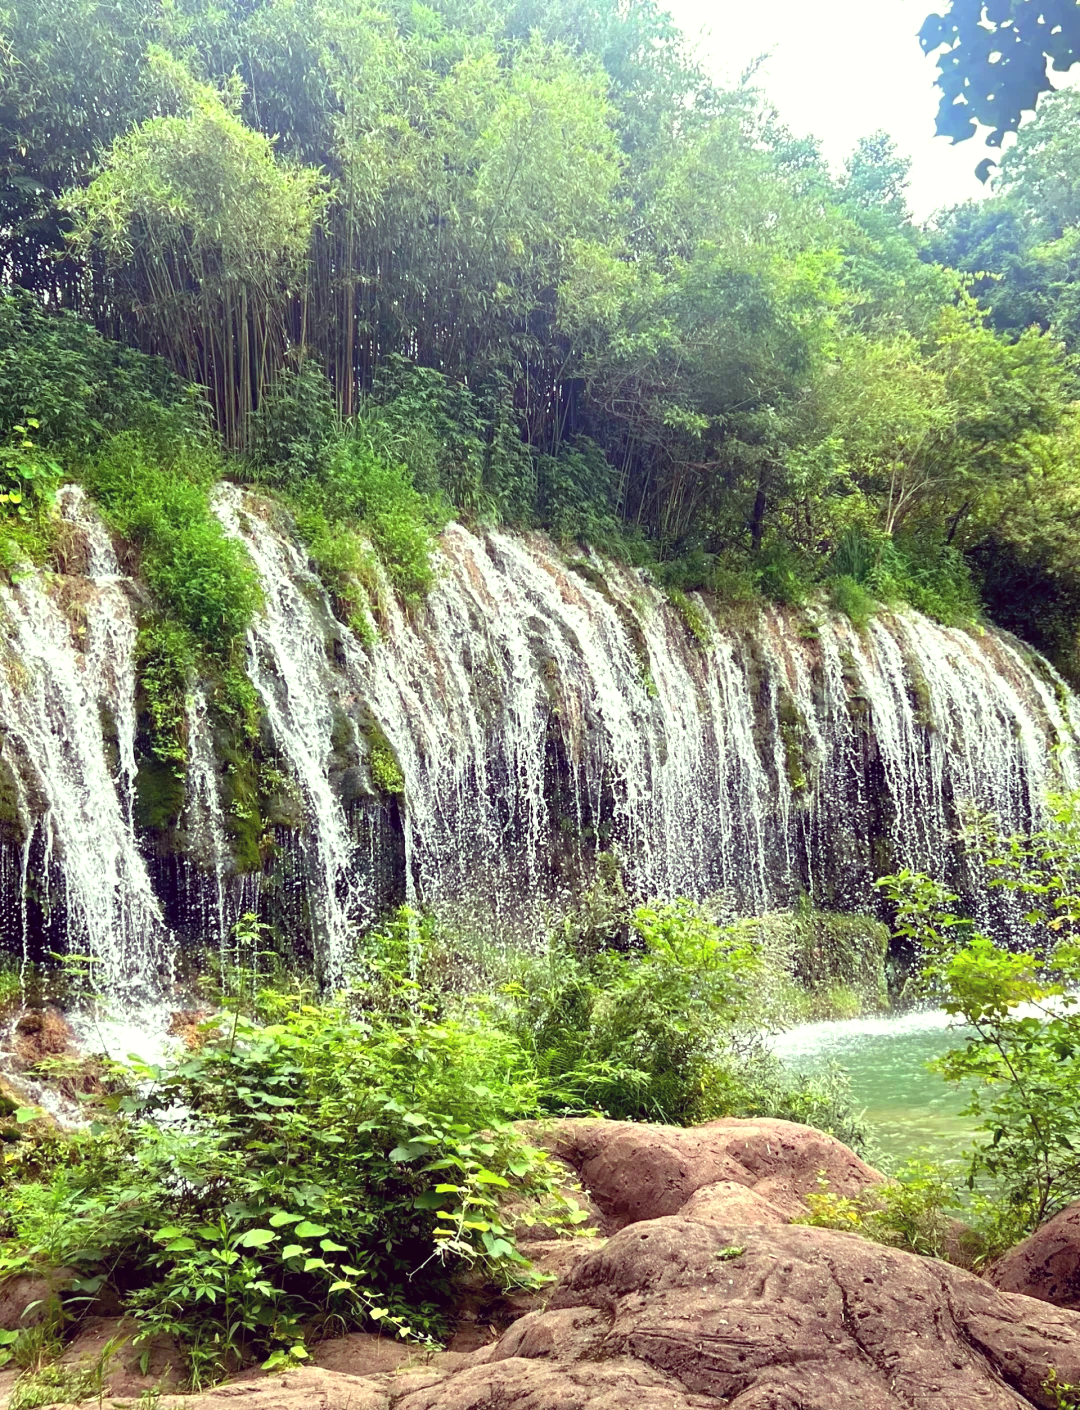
x,y
307,1230
23,1114
310,1264
277,1220
294,1251
172,1231
257,1238
409,1152
329,1246
487,1177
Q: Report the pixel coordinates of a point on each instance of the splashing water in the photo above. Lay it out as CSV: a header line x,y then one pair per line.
x,y
540,712
67,713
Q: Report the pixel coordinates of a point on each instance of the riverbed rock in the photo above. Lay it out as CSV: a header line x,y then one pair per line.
x,y
1045,1265
43,1033
635,1172
674,1314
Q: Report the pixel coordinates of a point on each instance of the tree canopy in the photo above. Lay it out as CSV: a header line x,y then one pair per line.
x,y
995,61
526,251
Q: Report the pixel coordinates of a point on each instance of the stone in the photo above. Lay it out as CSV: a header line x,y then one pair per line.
x,y
1045,1265
109,1342
364,1354
31,1291
673,1313
42,1033
638,1172
313,1388
728,1202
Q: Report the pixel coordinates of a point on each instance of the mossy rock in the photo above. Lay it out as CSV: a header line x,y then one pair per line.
x,y
12,822
160,793
386,772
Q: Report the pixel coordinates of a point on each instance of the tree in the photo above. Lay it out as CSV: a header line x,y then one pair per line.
x,y
994,64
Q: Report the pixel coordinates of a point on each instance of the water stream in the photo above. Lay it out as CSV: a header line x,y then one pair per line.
x,y
911,1109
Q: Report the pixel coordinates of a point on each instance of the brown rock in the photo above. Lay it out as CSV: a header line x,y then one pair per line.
x,y
33,1291
108,1344
805,1319
186,1024
363,1354
638,1172
310,1389
728,1202
1045,1265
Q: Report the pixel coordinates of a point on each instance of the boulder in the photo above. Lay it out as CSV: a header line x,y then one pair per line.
x,y
364,1354
683,1308
1045,1265
673,1313
25,1299
636,1172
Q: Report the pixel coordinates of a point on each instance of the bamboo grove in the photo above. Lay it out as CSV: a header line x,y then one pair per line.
x,y
653,318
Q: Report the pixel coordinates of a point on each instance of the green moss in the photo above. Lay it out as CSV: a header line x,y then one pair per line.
x,y
12,823
159,794
242,813
386,772
919,691
791,734
165,658
237,720
693,618
592,575
857,702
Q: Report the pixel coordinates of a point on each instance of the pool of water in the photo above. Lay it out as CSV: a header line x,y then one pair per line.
x,y
910,1108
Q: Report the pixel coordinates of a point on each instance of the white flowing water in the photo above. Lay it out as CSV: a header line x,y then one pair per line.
x,y
66,688
540,712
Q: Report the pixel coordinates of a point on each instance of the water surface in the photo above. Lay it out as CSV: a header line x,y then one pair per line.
x,y
887,1057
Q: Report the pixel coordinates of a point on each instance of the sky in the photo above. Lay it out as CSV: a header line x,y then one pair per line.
x,y
841,69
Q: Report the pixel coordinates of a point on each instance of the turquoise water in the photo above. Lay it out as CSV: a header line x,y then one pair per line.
x,y
910,1108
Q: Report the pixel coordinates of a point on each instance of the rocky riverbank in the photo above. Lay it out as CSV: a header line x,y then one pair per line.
x,y
696,1291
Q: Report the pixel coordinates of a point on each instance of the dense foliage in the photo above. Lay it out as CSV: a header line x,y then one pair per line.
x,y
523,262
996,61
308,1167
1018,1002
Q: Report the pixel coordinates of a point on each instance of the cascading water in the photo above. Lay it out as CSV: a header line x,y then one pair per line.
x,y
538,711
67,716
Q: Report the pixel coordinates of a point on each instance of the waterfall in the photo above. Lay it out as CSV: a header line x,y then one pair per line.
x,y
67,741
541,710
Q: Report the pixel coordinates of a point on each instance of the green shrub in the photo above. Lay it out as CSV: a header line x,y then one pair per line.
x,y
462,445
912,1210
932,577
326,1168
81,386
1020,1060
201,580
851,598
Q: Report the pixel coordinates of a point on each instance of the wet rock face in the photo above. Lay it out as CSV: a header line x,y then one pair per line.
x,y
1047,1264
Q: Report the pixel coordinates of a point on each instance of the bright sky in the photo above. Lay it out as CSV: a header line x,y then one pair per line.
x,y
841,69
